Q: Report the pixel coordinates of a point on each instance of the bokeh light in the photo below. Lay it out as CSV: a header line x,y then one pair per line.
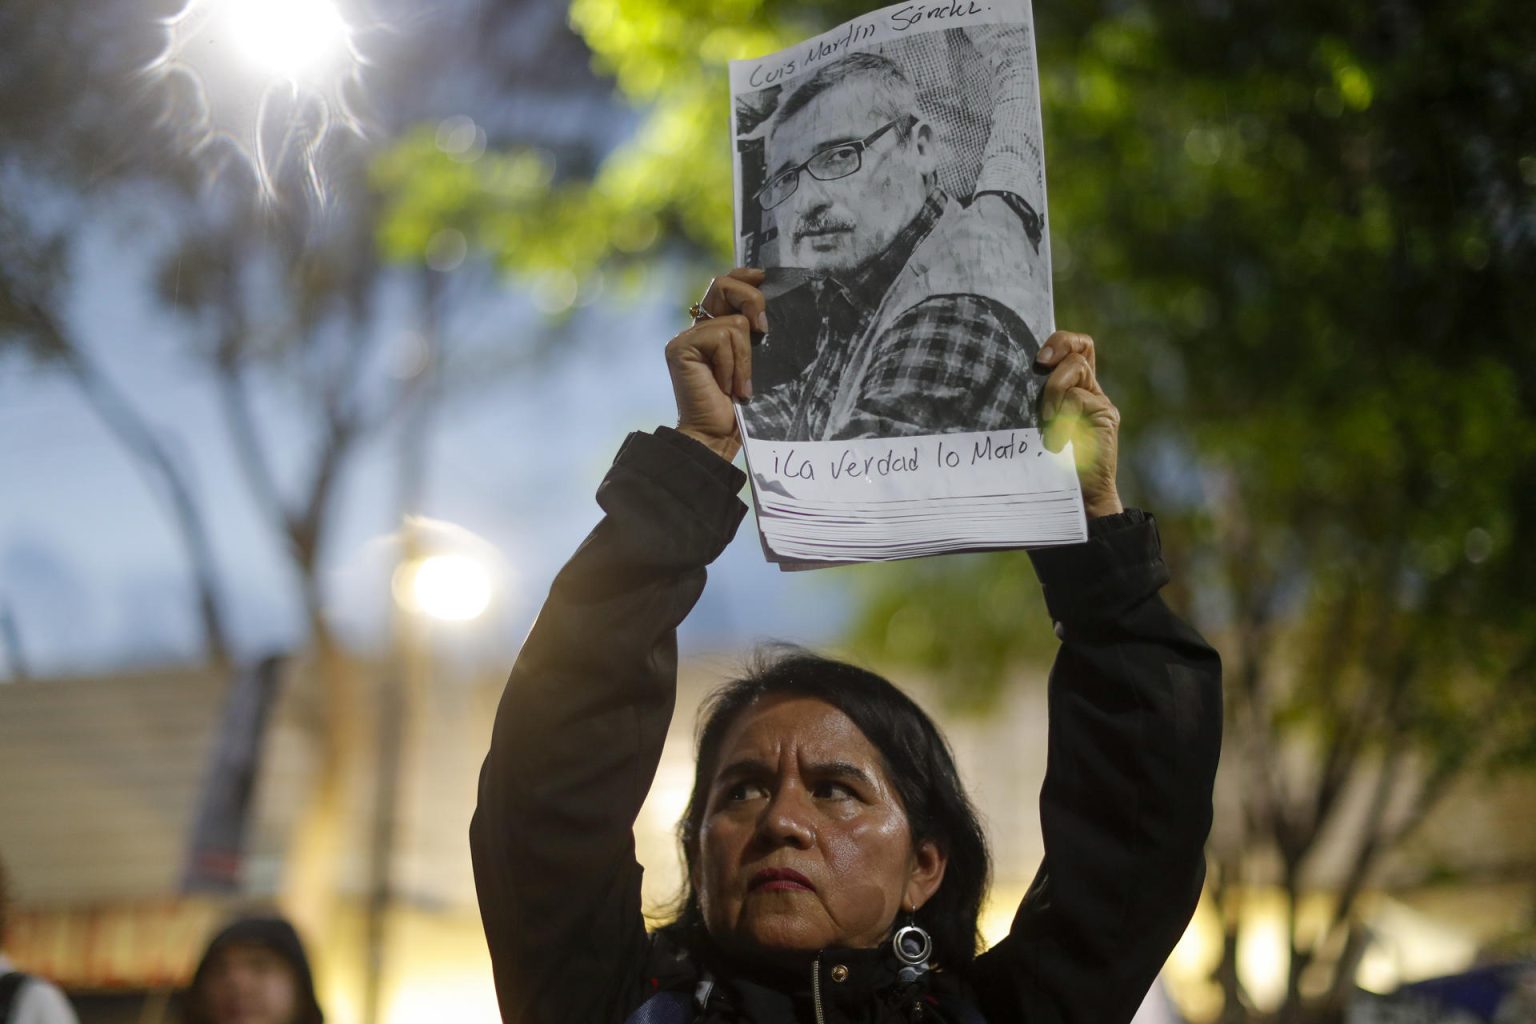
x,y
453,587
446,250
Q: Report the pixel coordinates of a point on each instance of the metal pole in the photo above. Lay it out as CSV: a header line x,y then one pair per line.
x,y
401,679
10,638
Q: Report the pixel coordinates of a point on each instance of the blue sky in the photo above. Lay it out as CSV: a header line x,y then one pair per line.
x,y
91,570
94,576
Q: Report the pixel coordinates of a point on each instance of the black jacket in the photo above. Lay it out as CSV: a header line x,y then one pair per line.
x,y
1135,728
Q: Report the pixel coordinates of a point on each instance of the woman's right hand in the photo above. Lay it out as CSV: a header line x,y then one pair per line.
x,y
1075,408
711,362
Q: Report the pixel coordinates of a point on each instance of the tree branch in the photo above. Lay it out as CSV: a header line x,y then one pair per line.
x,y
166,476
240,420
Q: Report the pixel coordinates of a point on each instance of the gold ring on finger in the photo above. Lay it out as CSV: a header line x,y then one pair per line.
x,y
698,312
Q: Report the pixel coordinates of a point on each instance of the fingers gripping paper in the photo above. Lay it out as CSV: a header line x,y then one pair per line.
x,y
890,179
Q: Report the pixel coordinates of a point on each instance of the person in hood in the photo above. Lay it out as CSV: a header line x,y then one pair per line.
x,y
253,972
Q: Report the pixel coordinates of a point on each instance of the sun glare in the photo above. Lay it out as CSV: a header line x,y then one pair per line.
x,y
271,76
291,38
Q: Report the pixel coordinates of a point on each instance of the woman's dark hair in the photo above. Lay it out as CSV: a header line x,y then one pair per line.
x,y
917,761
271,933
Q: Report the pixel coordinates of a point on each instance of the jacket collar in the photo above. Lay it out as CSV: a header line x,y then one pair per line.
x,y
849,982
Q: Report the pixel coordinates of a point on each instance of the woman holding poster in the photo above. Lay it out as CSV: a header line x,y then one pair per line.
x,y
835,868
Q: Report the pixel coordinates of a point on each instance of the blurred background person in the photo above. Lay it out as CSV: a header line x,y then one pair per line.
x,y
26,998
253,972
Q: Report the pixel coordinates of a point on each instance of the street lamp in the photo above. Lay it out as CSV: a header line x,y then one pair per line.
x,y
450,587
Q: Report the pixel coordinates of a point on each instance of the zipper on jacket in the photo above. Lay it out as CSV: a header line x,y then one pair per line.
x,y
816,989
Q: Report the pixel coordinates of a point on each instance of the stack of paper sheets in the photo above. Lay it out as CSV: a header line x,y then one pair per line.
x,y
890,179
859,501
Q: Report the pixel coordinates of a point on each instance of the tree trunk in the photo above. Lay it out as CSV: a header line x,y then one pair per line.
x,y
170,480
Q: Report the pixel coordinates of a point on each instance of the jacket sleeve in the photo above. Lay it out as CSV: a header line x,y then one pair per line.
x,y
579,732
1135,733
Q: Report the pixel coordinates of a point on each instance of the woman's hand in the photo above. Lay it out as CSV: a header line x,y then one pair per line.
x,y
711,362
1074,408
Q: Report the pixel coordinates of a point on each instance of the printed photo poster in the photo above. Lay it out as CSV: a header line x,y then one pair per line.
x,y
890,179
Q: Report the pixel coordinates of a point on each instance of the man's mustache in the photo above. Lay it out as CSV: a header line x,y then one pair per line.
x,y
820,225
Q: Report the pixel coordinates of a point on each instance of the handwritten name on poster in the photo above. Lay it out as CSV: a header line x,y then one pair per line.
x,y
861,32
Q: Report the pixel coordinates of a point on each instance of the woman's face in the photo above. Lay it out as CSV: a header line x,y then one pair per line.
x,y
804,843
250,984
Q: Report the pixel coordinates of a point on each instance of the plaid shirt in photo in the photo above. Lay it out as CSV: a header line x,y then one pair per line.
x,y
950,362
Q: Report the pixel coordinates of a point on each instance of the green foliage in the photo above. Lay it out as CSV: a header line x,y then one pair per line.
x,y
667,186
967,620
1305,236
1301,233
1300,239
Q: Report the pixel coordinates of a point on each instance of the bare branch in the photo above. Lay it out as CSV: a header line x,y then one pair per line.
x,y
240,421
169,479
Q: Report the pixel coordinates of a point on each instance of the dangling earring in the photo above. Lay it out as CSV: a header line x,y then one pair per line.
x,y
912,946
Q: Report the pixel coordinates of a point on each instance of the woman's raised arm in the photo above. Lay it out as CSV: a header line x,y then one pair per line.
x,y
585,712
1135,732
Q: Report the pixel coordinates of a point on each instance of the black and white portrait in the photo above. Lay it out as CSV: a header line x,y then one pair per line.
x,y
896,196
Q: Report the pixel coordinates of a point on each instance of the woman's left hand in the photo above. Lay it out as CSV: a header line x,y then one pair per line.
x,y
1074,408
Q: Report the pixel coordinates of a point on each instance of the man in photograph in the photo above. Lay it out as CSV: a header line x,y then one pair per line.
x,y
915,295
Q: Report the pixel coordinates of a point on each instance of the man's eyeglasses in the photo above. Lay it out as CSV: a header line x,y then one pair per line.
x,y
828,164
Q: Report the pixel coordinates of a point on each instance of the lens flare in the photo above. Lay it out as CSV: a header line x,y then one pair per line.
x,y
271,78
292,39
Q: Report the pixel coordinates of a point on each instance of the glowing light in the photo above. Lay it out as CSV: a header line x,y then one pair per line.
x,y
446,250
271,78
1190,969
461,139
998,911
556,292
668,798
454,588
442,971
409,356
465,996
290,38
1263,956
1411,945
